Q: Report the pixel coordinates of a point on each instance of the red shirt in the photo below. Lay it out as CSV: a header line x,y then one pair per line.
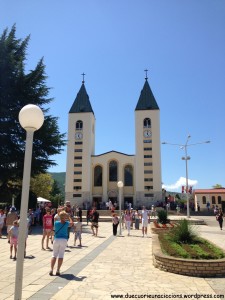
x,y
47,221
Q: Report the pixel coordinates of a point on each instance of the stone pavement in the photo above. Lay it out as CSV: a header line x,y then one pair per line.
x,y
106,267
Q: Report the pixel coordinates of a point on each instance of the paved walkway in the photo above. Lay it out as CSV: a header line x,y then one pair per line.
x,y
106,267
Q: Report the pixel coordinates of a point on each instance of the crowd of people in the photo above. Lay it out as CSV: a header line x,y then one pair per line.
x,y
57,225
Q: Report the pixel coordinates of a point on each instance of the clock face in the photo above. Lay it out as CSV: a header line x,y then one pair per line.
x,y
147,133
78,135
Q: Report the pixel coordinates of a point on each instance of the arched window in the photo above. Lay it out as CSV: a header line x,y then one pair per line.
x,y
213,200
98,176
219,199
147,123
128,175
203,199
113,171
79,125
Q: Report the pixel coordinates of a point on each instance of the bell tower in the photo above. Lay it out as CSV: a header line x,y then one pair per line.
x,y
148,180
80,148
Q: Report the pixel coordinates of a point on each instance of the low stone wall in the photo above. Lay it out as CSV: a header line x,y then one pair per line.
x,y
189,267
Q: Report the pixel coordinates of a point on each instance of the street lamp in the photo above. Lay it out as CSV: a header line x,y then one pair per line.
x,y
120,186
31,119
186,158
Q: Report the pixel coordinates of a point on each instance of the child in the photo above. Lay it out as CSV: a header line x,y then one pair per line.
x,y
13,234
77,229
47,228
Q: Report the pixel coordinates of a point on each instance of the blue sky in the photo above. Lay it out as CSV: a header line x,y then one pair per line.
x,y
181,43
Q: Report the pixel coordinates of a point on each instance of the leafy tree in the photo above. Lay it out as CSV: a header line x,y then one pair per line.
x,y
217,186
41,185
56,195
17,89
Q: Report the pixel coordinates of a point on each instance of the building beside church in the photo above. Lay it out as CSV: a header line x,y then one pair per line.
x,y
92,179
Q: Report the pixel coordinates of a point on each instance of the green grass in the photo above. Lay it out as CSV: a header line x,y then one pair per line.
x,y
198,248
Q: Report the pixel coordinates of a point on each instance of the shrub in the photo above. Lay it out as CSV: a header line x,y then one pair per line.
x,y
183,233
162,217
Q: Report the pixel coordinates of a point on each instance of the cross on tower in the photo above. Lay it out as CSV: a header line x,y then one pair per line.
x,y
83,77
146,74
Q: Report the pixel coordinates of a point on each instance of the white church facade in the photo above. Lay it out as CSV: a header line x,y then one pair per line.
x,y
92,179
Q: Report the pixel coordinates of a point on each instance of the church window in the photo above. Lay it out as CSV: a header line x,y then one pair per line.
x,y
147,141
147,123
148,179
77,173
147,156
77,165
128,175
149,195
213,200
146,149
204,200
77,180
78,150
98,176
79,125
219,199
148,164
148,172
77,188
77,195
113,171
77,157
149,187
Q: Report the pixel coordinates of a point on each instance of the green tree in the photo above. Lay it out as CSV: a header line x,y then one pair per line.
x,y
217,186
41,185
56,195
17,89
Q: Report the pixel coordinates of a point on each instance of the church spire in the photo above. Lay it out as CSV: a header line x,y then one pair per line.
x,y
146,100
81,103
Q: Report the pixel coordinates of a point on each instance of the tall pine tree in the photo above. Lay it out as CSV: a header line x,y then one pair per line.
x,y
17,89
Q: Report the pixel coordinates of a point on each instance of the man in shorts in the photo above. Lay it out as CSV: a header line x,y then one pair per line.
x,y
144,220
94,221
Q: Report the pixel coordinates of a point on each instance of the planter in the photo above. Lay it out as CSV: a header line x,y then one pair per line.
x,y
158,227
189,267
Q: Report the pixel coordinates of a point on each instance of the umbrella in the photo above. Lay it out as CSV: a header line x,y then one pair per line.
x,y
40,199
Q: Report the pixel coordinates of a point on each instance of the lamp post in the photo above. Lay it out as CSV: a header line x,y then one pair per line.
x,y
120,186
186,158
31,119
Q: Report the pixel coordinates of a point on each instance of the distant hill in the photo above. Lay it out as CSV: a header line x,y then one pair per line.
x,y
60,178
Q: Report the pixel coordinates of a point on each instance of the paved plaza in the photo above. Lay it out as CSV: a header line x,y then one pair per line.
x,y
106,267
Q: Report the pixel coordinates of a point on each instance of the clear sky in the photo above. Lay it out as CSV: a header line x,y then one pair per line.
x,y
181,43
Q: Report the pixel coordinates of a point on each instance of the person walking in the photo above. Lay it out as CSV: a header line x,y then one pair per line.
x,y
127,218
136,216
77,230
115,223
47,228
94,221
219,218
13,235
144,220
11,217
60,241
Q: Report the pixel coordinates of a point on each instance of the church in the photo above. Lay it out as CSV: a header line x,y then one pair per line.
x,y
92,179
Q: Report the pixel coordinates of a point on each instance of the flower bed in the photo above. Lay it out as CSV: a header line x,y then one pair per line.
x,y
189,267
158,227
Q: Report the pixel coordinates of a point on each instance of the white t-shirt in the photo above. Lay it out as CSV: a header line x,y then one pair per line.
x,y
144,215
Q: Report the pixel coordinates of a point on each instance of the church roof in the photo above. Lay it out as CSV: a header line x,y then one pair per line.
x,y
146,100
81,103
